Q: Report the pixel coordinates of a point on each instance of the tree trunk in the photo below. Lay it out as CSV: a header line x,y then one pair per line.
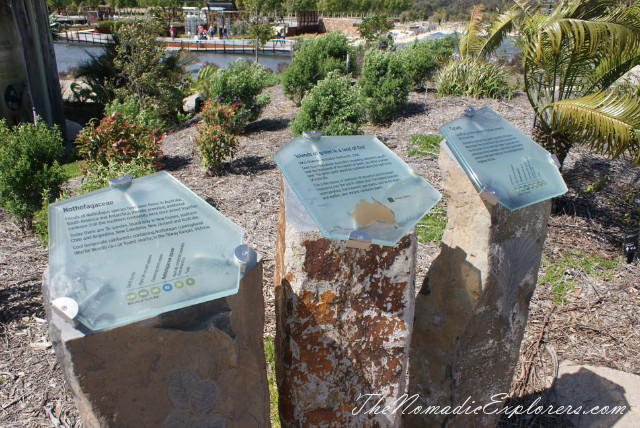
x,y
557,145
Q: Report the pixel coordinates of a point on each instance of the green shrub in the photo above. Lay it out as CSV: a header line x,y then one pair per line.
x,y
136,64
217,140
313,60
100,176
474,78
130,108
94,180
242,82
422,58
332,107
119,140
385,84
29,169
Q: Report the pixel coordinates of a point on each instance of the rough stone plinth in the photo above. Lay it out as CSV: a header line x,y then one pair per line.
x,y
344,318
199,366
472,309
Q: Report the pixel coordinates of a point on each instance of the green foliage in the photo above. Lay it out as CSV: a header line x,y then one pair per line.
x,y
116,139
242,82
73,169
332,107
135,64
131,109
100,176
270,356
313,60
385,84
29,169
597,186
424,145
371,28
419,60
474,78
431,227
217,139
560,272
94,180
571,57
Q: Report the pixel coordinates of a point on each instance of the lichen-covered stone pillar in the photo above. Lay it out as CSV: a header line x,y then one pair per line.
x,y
472,309
344,318
203,365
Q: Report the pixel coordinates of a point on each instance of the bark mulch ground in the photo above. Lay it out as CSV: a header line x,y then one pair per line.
x,y
585,308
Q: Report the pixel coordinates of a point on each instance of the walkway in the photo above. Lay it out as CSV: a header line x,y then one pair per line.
x,y
275,47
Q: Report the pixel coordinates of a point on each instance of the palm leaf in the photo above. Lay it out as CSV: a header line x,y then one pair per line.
x,y
605,120
497,31
470,41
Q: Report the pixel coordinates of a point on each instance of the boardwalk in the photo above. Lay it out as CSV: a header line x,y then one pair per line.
x,y
275,47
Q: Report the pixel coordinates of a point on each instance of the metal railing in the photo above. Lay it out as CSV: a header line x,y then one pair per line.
x,y
274,46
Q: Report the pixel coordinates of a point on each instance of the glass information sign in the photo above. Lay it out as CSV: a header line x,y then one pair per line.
x,y
502,160
127,253
351,183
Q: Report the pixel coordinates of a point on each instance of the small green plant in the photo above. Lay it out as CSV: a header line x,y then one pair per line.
x,y
385,84
217,139
313,60
4,378
474,78
431,227
597,186
270,355
29,168
424,145
332,107
242,82
131,109
422,57
117,139
560,272
73,169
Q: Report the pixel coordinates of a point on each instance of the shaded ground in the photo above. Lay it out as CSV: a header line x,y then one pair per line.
x,y
597,321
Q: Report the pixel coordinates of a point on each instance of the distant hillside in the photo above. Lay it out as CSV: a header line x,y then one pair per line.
x,y
452,10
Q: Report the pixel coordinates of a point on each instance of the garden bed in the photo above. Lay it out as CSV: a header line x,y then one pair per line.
x,y
585,308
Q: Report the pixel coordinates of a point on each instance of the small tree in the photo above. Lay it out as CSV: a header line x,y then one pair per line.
x,y
372,28
314,59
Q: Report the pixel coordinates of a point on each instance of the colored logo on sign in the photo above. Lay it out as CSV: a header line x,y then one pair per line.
x,y
167,287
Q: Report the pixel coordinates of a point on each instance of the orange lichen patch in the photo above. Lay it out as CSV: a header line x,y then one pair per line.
x,y
321,417
321,261
379,259
366,213
289,277
319,308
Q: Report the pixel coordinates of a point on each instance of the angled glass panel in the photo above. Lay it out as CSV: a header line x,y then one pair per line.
x,y
352,183
498,157
125,254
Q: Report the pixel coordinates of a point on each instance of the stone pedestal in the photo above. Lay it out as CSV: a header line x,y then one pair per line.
x,y
344,318
203,365
472,309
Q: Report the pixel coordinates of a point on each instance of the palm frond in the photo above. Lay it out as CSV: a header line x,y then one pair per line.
x,y
604,119
497,31
470,41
